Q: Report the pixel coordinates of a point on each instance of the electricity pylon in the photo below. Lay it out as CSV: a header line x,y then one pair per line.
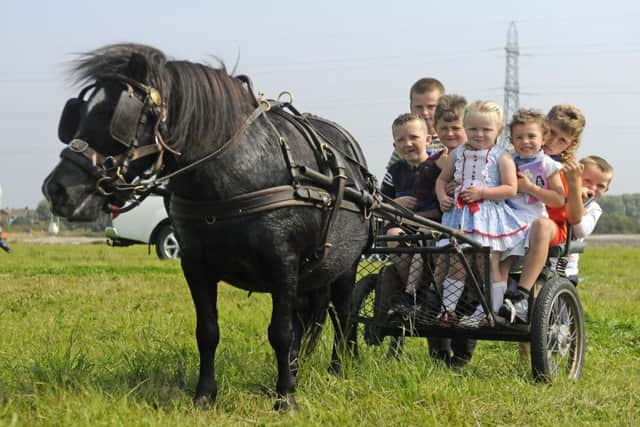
x,y
511,80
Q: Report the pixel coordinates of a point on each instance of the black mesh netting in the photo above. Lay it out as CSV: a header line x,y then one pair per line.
x,y
422,281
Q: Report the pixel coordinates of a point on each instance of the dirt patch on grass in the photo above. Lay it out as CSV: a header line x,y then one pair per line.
x,y
613,240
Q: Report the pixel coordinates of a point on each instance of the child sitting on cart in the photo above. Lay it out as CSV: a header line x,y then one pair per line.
x,y
486,178
539,177
566,124
596,178
408,183
448,123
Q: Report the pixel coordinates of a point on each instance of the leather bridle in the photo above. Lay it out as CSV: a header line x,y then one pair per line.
x,y
138,101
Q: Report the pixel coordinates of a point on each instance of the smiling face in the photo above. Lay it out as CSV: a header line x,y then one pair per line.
x,y
482,130
594,182
527,139
411,140
451,133
558,141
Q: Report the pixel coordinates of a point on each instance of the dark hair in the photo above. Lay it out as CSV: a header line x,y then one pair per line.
x,y
525,115
406,118
424,85
450,108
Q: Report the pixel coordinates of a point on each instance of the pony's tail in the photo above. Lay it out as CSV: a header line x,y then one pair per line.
x,y
312,313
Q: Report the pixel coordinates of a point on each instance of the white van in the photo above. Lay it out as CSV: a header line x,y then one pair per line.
x,y
146,223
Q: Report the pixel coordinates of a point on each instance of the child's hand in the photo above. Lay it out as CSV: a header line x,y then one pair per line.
x,y
573,173
471,194
587,194
451,188
524,185
408,202
446,203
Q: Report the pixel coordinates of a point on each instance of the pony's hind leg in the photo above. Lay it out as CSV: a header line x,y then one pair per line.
x,y
281,337
341,292
204,293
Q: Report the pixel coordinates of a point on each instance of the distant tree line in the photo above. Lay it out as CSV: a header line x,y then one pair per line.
x,y
621,215
38,220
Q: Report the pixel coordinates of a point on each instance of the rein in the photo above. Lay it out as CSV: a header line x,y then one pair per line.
x,y
157,182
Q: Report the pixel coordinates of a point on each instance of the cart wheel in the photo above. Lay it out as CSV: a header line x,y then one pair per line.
x,y
363,310
557,332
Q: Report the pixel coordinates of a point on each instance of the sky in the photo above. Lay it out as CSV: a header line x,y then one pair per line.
x,y
352,62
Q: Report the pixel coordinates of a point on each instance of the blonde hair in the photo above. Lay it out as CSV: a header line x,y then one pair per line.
x,y
484,107
569,119
600,163
525,115
405,118
450,108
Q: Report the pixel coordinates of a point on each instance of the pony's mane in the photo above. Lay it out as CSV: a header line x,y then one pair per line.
x,y
205,104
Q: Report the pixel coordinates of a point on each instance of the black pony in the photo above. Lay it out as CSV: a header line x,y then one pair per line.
x,y
261,196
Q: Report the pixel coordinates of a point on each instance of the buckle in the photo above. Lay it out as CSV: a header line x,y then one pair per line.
x,y
78,145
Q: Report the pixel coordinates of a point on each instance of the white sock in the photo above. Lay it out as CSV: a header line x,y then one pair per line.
x,y
451,293
479,311
497,295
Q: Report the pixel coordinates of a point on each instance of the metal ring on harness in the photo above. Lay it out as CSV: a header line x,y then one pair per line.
x,y
99,188
266,103
287,94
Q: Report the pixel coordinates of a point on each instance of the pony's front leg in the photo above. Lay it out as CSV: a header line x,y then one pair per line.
x,y
204,293
281,339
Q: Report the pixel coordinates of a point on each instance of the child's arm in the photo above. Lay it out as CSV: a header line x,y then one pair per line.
x,y
446,175
451,185
588,223
573,174
507,189
552,196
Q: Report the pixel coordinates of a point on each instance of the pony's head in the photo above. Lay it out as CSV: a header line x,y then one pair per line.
x,y
113,131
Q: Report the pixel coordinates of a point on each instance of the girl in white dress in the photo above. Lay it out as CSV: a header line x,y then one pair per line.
x,y
486,177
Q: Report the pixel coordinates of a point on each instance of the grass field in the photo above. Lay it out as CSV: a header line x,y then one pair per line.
x,y
92,335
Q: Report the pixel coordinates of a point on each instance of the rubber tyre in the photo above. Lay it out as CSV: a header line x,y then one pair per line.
x,y
558,334
363,307
166,243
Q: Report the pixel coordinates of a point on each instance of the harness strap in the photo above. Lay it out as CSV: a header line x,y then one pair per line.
x,y
339,182
254,202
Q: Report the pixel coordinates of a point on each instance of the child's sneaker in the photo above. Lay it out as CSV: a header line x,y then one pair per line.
x,y
516,307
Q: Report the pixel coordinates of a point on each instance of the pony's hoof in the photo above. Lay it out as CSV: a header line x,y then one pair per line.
x,y
285,403
335,368
203,401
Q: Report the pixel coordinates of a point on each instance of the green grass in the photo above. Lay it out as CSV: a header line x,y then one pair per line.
x,y
91,335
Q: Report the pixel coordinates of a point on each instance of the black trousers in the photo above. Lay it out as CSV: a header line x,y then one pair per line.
x,y
442,348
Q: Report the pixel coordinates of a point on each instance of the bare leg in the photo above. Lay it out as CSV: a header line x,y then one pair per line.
x,y
543,230
499,282
414,281
400,261
453,284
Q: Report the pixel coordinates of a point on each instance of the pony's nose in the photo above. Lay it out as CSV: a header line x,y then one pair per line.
x,y
54,192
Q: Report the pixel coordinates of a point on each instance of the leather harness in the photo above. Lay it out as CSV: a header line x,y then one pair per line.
x,y
325,189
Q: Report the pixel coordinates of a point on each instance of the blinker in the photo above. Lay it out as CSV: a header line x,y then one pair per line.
x,y
126,117
72,114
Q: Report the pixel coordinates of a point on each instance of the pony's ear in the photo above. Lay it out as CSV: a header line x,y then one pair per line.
x,y
139,68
